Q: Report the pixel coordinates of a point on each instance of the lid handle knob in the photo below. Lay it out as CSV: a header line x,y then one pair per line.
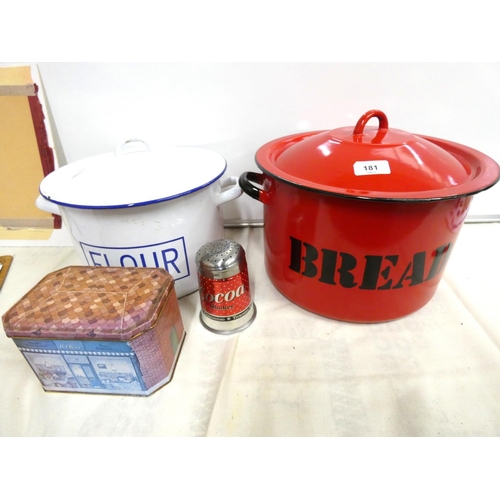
x,y
131,146
383,125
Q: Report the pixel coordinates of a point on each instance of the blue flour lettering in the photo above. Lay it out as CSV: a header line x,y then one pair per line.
x,y
166,262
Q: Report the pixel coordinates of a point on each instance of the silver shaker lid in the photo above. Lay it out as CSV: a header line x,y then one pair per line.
x,y
220,257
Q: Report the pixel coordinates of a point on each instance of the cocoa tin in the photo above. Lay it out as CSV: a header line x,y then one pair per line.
x,y
226,299
104,330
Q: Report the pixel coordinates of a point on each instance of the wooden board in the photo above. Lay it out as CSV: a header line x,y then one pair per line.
x,y
24,153
16,80
5,262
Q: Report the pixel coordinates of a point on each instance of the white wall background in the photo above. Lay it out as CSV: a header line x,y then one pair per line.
x,y
234,108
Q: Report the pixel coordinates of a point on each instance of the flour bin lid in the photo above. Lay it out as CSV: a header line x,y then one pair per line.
x,y
133,175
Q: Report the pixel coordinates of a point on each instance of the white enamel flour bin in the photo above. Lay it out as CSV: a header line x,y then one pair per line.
x,y
138,207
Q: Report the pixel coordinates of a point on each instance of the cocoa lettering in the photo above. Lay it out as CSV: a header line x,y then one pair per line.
x,y
374,272
222,297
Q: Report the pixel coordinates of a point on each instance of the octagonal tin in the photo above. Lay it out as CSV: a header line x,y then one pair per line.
x,y
104,330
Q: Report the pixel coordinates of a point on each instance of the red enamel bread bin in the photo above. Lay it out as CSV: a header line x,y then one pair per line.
x,y
360,221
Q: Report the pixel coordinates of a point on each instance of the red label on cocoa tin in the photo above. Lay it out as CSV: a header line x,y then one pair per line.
x,y
225,299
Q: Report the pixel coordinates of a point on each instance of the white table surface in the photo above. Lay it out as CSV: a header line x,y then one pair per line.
x,y
292,373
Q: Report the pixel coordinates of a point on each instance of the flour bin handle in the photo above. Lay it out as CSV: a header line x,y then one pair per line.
x,y
229,194
47,206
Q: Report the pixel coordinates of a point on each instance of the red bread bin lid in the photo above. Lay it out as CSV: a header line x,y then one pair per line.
x,y
378,163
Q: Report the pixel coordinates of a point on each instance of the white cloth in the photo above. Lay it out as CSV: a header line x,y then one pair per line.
x,y
292,373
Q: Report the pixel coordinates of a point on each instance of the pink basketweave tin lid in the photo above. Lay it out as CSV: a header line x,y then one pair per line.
x,y
89,303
